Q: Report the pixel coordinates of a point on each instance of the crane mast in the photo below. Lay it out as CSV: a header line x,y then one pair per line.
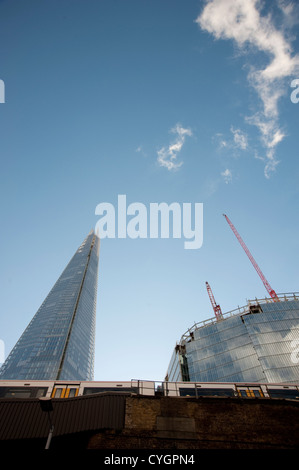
x,y
216,307
270,291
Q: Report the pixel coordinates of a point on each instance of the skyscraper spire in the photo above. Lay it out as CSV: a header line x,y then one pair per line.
x,y
59,341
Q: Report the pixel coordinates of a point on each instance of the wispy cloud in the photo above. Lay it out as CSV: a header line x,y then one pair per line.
x,y
227,175
141,151
240,138
238,141
167,156
242,22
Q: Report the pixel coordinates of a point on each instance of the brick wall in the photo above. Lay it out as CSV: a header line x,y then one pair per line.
x,y
204,423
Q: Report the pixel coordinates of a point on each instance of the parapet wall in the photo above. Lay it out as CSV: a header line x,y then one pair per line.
x,y
204,423
124,421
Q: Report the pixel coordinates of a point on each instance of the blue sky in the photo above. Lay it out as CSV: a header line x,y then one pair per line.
x,y
163,101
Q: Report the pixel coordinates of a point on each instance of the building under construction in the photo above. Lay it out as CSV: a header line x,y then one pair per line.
x,y
255,343
242,369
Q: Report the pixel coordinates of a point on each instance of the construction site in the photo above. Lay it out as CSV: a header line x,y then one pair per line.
x,y
253,343
232,383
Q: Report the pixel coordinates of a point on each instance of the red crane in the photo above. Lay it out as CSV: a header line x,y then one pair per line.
x,y
216,308
271,291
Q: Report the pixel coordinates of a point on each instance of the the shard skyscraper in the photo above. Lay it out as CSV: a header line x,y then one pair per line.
x,y
59,342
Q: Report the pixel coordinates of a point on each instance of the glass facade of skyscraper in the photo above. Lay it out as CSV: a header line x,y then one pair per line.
x,y
59,341
255,345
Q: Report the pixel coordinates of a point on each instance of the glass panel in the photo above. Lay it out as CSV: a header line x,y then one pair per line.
x,y
247,348
283,393
91,390
72,392
57,392
23,392
14,393
39,351
187,392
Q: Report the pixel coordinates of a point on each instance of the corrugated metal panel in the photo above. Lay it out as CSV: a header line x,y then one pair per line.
x,y
24,418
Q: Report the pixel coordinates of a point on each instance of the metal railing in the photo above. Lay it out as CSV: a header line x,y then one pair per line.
x,y
228,389
237,312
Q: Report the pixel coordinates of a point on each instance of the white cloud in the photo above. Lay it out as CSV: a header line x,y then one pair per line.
x,y
221,142
227,175
290,13
240,138
242,22
141,151
167,156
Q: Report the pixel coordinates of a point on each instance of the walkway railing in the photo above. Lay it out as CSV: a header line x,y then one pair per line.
x,y
238,311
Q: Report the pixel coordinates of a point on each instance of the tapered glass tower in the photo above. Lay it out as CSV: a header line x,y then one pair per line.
x,y
58,343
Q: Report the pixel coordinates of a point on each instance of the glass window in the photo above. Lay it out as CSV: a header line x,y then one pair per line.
x,y
57,392
250,392
72,392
